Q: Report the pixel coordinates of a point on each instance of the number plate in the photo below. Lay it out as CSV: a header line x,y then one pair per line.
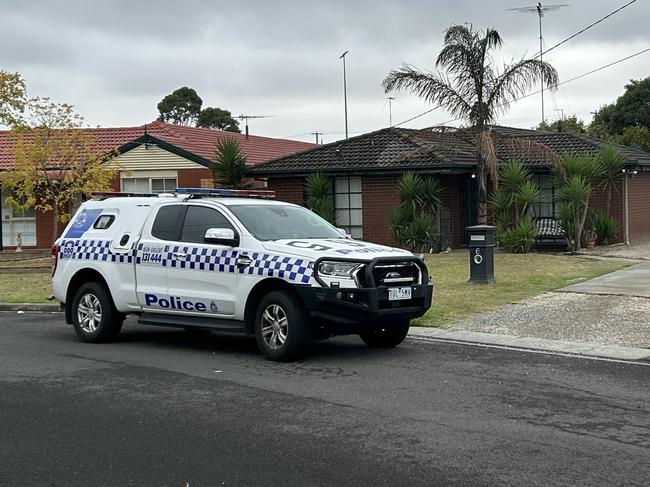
x,y
397,293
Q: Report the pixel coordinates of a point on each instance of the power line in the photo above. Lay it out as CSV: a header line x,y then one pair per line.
x,y
544,52
537,92
589,27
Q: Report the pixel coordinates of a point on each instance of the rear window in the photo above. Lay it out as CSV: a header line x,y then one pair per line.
x,y
168,222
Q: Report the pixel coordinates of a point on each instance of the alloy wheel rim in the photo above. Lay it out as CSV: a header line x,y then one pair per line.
x,y
275,326
89,313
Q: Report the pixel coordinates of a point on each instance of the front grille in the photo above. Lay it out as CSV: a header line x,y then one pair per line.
x,y
396,274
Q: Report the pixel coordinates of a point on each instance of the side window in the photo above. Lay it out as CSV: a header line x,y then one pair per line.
x,y
198,219
167,222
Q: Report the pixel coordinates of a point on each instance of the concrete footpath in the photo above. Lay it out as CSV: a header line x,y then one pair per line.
x,y
612,352
631,281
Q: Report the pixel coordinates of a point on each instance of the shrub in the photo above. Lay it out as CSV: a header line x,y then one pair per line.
x,y
412,223
605,226
519,238
513,203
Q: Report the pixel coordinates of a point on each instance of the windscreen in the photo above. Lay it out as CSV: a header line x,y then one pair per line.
x,y
276,222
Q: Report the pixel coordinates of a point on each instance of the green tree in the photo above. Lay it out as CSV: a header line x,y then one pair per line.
x,y
12,97
320,200
55,161
632,136
230,165
632,109
570,124
217,118
181,107
474,90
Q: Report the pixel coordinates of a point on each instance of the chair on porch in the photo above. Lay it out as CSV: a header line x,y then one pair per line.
x,y
549,234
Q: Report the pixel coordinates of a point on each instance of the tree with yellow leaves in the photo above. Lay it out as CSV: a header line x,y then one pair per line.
x,y
56,161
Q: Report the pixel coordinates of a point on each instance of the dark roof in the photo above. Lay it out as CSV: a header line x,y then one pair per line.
x,y
438,150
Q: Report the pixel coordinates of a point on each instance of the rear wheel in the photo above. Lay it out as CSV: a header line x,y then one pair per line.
x,y
386,336
281,327
94,316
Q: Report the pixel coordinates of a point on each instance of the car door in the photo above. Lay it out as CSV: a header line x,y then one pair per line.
x,y
153,257
203,276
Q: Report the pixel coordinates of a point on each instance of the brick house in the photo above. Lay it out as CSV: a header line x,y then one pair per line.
x,y
365,170
156,157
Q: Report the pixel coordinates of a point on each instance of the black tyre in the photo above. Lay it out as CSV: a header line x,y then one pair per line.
x,y
94,316
387,336
281,327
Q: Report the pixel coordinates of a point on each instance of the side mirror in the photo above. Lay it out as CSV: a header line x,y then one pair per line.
x,y
221,236
343,232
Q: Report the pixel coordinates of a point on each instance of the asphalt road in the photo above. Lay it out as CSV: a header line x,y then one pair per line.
x,y
164,407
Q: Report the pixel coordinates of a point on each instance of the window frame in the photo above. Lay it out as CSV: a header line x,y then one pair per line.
x,y
150,180
349,193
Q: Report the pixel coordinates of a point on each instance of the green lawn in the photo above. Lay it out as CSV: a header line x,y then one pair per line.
x,y
518,276
32,287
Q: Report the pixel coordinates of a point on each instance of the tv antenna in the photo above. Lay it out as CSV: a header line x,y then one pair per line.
x,y
390,110
245,118
540,10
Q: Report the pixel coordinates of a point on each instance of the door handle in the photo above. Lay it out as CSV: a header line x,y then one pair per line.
x,y
180,256
244,261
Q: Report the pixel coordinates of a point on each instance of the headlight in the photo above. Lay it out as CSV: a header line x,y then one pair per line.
x,y
340,270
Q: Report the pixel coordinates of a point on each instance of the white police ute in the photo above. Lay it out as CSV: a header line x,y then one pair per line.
x,y
234,262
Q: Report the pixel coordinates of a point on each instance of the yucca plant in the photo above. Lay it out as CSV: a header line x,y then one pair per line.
x,y
611,166
318,189
412,223
574,204
512,203
230,165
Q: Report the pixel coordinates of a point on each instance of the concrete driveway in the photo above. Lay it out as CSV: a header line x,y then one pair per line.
x,y
631,281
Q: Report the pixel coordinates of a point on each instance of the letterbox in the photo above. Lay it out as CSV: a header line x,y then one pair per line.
x,y
481,254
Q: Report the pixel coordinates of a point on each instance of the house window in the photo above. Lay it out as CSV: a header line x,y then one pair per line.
x,y
547,206
16,222
149,185
347,200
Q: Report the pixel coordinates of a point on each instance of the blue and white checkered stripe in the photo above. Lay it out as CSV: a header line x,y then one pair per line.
x,y
220,260
95,250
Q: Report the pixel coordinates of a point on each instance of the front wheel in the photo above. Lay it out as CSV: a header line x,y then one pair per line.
x,y
281,327
386,337
94,316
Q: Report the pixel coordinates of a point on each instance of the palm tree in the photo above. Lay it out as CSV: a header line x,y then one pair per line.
x,y
611,165
474,90
230,165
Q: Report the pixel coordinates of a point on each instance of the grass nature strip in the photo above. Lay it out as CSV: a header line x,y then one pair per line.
x,y
518,276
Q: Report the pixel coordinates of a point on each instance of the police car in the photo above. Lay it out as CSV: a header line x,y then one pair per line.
x,y
234,262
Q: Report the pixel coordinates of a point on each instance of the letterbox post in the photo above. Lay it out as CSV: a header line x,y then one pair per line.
x,y
481,254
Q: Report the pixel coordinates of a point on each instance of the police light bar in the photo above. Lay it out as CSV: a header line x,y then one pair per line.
x,y
224,192
120,194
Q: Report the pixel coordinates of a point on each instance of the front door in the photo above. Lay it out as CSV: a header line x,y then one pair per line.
x,y
202,276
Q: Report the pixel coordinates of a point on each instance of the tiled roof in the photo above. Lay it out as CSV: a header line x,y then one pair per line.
x,y
198,141
398,149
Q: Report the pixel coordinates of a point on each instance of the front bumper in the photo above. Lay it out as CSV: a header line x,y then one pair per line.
x,y
353,306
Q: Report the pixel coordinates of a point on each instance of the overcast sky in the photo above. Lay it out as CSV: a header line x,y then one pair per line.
x,y
114,60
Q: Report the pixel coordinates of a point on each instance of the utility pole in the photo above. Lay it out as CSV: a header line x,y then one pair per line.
x,y
345,93
317,133
561,110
